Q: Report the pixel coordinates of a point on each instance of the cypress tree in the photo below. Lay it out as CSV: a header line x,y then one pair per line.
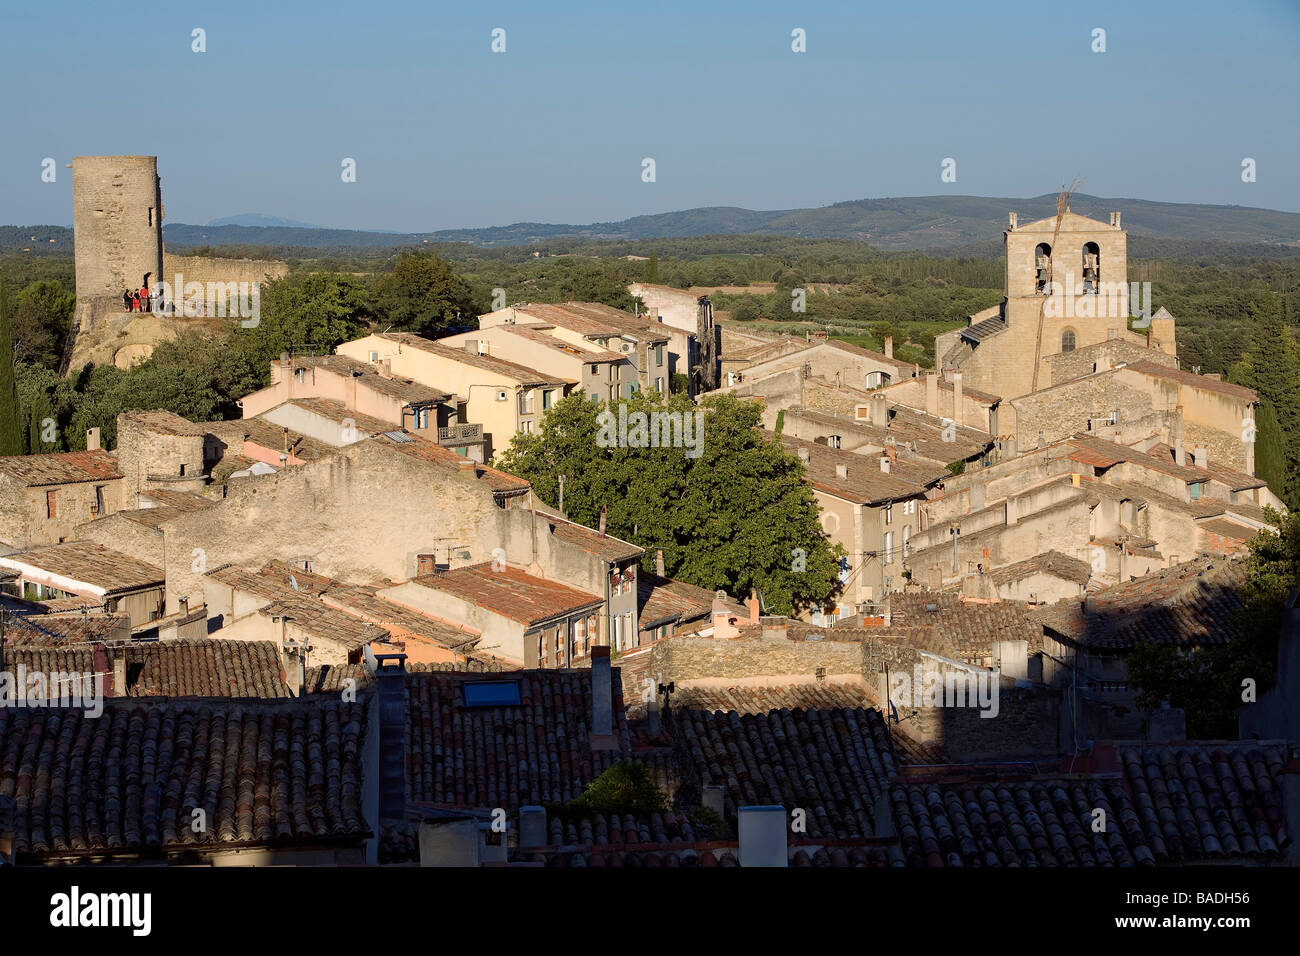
x,y
11,426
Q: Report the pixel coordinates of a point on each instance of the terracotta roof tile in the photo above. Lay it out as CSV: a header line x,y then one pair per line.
x,y
510,592
88,563
61,468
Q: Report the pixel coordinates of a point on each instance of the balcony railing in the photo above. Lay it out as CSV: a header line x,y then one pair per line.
x,y
460,435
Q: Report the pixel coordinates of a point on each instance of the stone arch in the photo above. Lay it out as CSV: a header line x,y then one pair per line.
x,y
1042,267
1091,267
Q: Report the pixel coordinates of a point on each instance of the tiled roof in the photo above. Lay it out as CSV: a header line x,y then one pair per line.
x,y
879,357
61,468
487,363
603,546
667,599
1191,604
510,592
968,626
719,695
1228,528
592,319
330,678
538,752
167,423
262,771
1233,479
532,333
338,412
404,390
832,762
53,630
365,602
182,668
268,435
1195,381
1049,562
89,563
979,331
1101,453
906,428
1176,804
865,482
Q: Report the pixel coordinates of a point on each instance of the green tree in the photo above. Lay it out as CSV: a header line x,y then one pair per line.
x,y
652,268
424,294
1272,368
1270,448
623,788
42,313
317,310
11,428
737,516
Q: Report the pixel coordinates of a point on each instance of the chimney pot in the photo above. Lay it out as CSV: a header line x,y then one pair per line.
x,y
932,394
889,346
803,455
659,562
841,471
884,463
92,439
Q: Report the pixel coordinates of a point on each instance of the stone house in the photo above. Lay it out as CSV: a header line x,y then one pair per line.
x,y
647,345
601,374
91,576
523,618
872,506
44,497
501,396
372,390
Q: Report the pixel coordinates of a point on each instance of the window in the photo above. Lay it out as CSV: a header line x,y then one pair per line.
x,y
51,504
659,354
887,551
659,386
595,397
907,533
547,398
1091,267
1042,265
632,388
833,441
889,514
1194,489
595,370
491,693
99,499
1067,340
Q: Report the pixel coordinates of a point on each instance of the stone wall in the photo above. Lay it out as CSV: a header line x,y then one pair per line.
x,y
24,520
215,269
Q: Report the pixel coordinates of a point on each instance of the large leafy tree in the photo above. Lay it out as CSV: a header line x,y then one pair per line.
x,y
41,315
316,310
424,294
1272,368
737,516
1207,682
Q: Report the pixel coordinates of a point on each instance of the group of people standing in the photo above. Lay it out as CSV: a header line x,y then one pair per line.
x,y
141,300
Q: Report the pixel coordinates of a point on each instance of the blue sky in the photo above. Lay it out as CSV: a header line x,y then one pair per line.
x,y
447,134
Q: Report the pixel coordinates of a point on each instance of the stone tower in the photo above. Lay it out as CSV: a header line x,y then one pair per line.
x,y
117,229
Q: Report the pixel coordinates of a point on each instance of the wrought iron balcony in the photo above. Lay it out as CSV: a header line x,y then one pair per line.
x,y
460,435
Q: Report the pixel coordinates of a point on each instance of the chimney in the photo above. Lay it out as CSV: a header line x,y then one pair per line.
x,y
884,462
1202,456
713,797
659,563
762,836
879,410
1011,220
753,607
889,346
602,700
388,711
841,471
803,455
532,826
471,345
468,466
184,605
1009,450
119,676
386,368
1180,456
1114,219
92,439
932,394
284,359
956,397
604,513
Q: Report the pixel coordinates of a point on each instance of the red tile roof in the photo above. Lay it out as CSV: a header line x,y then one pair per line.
x,y
61,468
512,593
89,563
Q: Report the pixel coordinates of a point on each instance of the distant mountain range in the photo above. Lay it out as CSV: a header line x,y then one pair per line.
x,y
956,223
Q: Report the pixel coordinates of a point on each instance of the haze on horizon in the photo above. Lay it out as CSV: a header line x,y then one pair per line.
x,y
447,134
